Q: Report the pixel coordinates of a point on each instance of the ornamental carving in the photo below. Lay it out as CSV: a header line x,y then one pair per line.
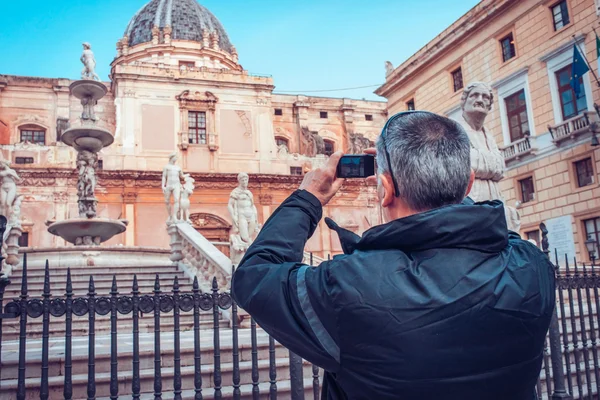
x,y
265,199
38,182
204,220
243,115
60,197
311,143
187,99
129,197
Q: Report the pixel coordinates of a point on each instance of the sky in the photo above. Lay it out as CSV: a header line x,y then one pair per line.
x,y
312,47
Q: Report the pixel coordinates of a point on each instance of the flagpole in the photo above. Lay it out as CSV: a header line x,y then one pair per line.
x,y
586,60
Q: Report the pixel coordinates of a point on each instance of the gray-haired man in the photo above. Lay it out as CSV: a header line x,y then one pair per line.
x,y
440,302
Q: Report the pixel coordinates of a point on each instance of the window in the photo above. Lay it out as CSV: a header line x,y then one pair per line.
x,y
33,136
560,14
24,240
570,105
592,229
197,127
187,64
368,117
507,44
295,170
278,111
282,141
533,235
323,114
585,172
516,112
527,189
23,160
410,105
457,79
100,166
329,147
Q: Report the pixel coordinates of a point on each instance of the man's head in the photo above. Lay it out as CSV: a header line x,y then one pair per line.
x,y
173,158
429,157
478,98
243,180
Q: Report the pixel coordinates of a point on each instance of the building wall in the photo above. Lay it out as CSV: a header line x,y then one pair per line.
x,y
473,44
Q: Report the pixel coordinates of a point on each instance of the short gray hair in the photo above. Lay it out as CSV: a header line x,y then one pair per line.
x,y
430,158
472,86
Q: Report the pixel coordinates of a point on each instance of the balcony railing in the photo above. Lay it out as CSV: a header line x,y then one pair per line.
x,y
518,149
571,127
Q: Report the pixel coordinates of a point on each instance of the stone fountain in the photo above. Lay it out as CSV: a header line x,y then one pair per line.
x,y
87,139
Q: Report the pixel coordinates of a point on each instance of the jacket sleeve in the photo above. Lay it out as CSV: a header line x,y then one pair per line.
x,y
293,302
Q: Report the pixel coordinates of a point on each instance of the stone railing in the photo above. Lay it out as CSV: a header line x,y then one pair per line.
x,y
196,256
571,127
518,148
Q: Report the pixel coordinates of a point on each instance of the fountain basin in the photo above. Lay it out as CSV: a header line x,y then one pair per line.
x,y
87,138
88,89
87,231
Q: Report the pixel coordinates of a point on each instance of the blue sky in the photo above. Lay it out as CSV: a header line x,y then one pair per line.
x,y
305,45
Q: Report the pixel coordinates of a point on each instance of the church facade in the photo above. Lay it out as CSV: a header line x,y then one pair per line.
x,y
177,86
525,51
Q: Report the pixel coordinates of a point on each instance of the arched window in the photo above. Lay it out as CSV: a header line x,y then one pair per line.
x,y
329,147
282,141
33,134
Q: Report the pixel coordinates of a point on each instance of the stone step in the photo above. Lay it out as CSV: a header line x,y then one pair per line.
x,y
80,381
80,358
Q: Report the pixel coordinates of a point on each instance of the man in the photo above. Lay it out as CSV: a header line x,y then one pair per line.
x,y
440,302
486,160
171,187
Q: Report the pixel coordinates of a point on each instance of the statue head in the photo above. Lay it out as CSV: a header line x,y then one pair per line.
x,y
478,98
243,180
86,46
173,158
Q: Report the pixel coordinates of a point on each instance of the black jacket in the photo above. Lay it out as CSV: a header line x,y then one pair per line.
x,y
445,304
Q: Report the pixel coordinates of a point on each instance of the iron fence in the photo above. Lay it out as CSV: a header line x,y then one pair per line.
x,y
157,303
570,369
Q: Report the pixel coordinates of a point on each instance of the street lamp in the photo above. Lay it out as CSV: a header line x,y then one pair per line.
x,y
595,141
590,245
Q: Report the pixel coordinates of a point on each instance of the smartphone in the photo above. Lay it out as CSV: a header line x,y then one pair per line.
x,y
356,166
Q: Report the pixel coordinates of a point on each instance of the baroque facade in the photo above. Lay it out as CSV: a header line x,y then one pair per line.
x,y
525,50
176,85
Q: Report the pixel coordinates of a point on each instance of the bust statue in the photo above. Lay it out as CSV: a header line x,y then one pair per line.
x,y
171,187
244,217
486,159
89,63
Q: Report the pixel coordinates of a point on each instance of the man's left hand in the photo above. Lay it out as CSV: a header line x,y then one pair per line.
x,y
322,182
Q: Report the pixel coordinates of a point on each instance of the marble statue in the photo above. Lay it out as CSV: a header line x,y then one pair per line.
x,y
89,63
244,216
10,207
8,188
184,202
171,187
313,144
358,143
486,159
389,68
87,162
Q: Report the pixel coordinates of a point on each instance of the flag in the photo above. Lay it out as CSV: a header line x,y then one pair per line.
x,y
578,68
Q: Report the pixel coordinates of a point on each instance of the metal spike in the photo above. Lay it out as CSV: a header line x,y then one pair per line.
x,y
176,284
567,264
135,287
46,280
113,288
195,286
92,288
584,270
24,277
69,283
157,284
215,287
575,265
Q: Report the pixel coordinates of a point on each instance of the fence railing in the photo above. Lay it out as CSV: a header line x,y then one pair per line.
x,y
570,369
158,303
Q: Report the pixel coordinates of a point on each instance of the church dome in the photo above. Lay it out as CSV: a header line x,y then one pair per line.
x,y
186,18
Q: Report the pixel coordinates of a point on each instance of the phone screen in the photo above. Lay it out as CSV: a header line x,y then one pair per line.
x,y
356,166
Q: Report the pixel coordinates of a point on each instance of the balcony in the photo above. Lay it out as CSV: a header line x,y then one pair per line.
x,y
573,127
518,149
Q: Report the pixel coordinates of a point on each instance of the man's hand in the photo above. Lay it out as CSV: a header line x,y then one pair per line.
x,y
372,180
322,182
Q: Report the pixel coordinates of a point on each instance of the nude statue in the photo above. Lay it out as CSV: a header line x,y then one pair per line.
x,y
89,63
486,159
242,210
171,186
8,187
188,190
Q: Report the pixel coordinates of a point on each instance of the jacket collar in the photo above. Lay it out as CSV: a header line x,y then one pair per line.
x,y
477,226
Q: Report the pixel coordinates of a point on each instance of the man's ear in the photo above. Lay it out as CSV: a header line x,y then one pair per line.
x,y
388,190
471,180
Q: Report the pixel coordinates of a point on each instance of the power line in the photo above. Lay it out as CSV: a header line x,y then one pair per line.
x,y
326,90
